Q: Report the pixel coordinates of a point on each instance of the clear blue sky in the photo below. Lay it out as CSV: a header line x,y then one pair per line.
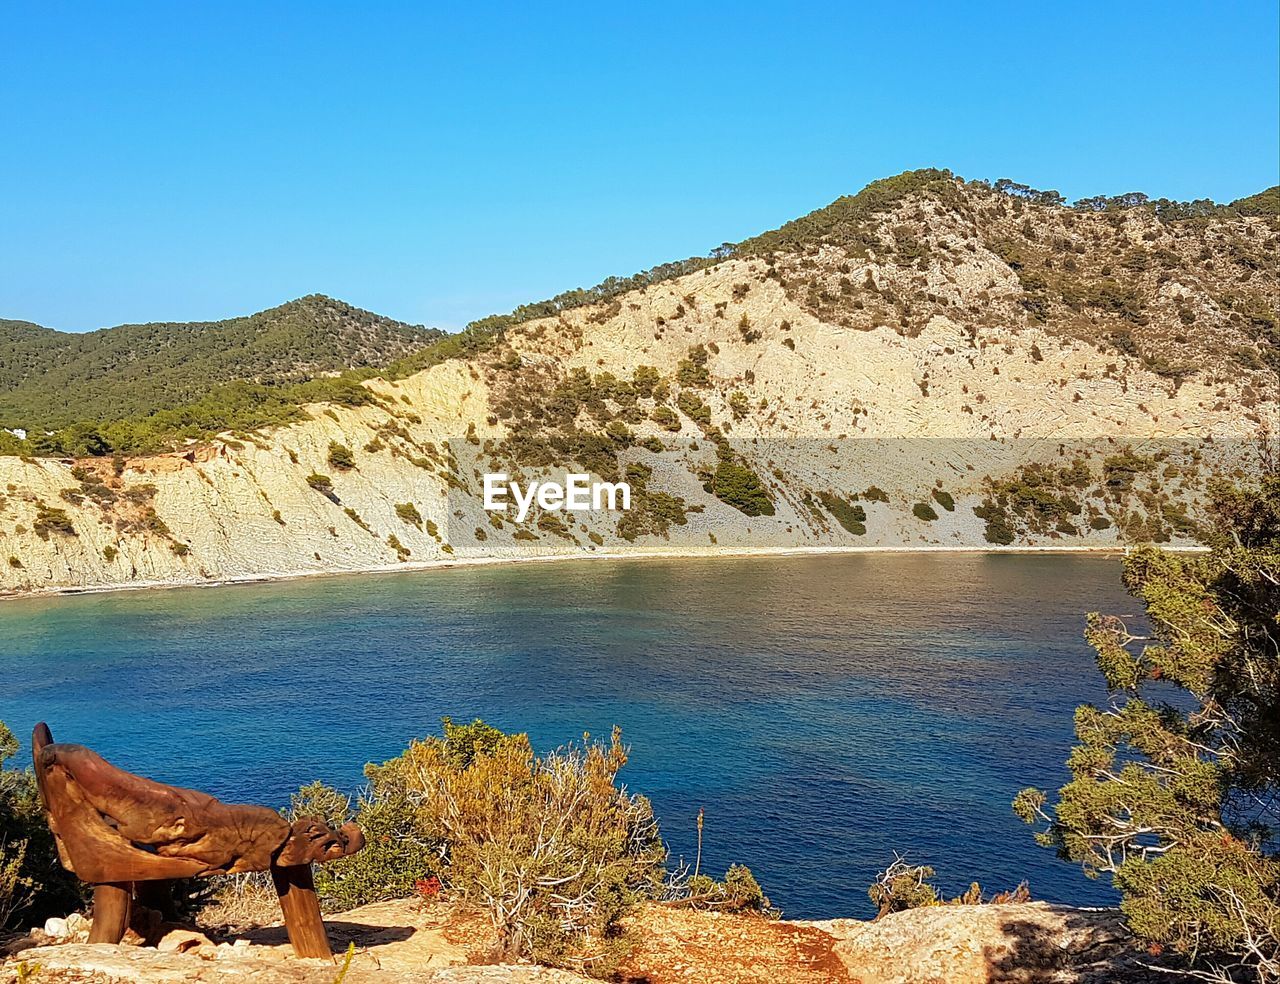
x,y
183,161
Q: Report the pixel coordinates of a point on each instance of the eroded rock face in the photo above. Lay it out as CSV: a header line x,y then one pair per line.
x,y
1036,943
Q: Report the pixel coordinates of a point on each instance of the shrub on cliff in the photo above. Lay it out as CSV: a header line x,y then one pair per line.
x,y
403,553
408,513
665,418
1175,788
739,892
735,484
644,379
693,370
694,409
549,846
998,529
850,515
50,520
903,886
340,456
924,511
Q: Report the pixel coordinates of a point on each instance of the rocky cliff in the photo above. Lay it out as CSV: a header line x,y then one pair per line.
x,y
949,366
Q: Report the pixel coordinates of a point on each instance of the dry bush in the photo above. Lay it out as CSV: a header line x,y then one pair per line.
x,y
903,885
550,847
740,892
16,889
240,902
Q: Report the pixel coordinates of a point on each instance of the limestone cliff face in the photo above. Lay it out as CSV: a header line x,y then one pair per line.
x,y
861,425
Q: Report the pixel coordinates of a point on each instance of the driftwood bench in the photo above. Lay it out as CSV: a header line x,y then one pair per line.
x,y
118,832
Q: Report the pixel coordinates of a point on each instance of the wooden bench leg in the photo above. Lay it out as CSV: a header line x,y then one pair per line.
x,y
301,909
111,904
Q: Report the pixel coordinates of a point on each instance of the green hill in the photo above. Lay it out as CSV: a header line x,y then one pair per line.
x,y
49,379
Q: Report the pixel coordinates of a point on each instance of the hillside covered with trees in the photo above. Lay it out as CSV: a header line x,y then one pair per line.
x,y
51,379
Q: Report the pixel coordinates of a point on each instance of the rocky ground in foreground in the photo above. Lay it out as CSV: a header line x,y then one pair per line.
x,y
409,940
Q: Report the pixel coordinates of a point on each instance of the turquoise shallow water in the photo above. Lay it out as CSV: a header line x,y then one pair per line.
x,y
825,711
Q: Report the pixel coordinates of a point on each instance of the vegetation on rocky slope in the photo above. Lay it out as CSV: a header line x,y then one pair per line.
x,y
1182,294
1011,220
1145,496
1184,287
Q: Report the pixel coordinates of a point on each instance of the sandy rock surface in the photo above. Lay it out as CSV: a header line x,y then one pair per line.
x,y
102,963
1036,943
392,943
403,941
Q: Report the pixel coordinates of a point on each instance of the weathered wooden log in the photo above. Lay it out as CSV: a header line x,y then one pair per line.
x,y
111,906
301,908
114,829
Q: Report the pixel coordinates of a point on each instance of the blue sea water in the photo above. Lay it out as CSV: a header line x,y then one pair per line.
x,y
824,711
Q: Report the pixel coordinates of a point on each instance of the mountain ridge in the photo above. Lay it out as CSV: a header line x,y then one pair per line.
x,y
32,395
852,210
